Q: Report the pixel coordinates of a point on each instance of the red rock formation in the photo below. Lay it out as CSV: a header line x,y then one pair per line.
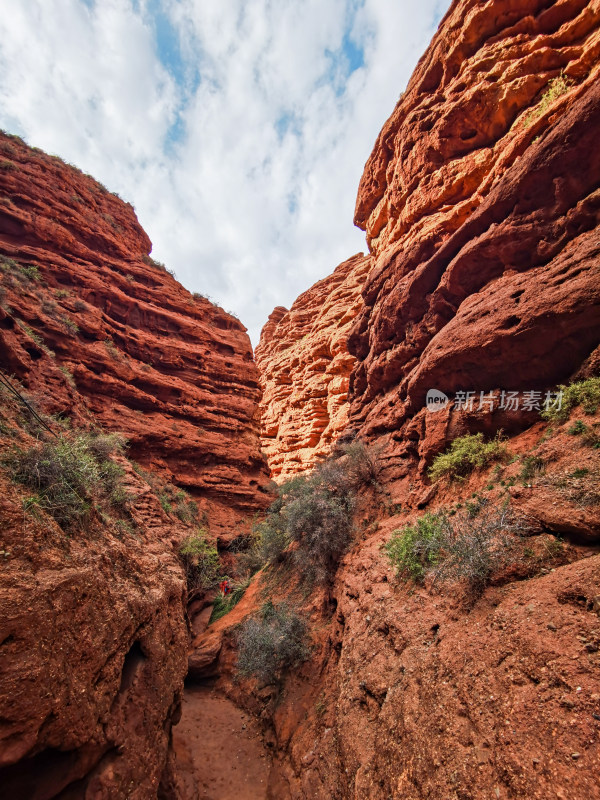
x,y
305,367
421,691
93,633
93,651
480,206
170,370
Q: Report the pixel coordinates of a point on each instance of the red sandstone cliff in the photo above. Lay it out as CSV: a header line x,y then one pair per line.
x,y
480,202
305,368
481,207
93,633
170,370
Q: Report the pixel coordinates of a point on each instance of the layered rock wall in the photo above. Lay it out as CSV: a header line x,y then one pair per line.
x,y
169,369
305,368
481,208
93,630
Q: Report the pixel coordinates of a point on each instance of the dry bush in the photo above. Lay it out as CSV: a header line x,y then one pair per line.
x,y
470,546
69,474
271,643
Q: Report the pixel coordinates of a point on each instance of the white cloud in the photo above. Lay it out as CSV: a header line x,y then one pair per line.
x,y
237,129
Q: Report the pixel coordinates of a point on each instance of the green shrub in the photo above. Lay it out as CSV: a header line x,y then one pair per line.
x,y
165,502
272,643
314,513
415,548
317,513
466,454
31,273
201,561
68,474
577,428
24,273
581,472
582,393
270,540
469,546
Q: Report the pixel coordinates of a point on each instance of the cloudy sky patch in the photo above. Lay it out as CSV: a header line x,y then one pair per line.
x,y
238,130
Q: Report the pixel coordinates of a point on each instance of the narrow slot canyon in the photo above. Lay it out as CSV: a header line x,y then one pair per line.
x,y
361,559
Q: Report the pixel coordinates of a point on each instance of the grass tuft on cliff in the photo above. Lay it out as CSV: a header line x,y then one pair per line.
x,y
582,393
466,454
556,88
69,474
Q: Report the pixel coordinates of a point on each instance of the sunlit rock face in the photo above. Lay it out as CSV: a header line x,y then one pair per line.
x,y
305,368
172,371
480,205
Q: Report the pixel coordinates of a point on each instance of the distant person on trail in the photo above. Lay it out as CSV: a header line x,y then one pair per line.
x,y
225,587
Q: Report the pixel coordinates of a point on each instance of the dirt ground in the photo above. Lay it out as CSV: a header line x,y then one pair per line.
x,y
220,751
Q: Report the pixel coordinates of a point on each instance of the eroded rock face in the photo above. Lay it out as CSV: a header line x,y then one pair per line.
x,y
171,370
429,690
420,699
93,631
480,203
93,653
305,368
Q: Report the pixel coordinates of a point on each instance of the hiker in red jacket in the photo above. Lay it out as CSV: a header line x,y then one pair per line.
x,y
225,587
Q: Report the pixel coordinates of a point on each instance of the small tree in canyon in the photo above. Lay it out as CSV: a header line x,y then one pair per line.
x,y
201,561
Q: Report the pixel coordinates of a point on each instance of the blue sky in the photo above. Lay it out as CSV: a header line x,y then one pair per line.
x,y
238,130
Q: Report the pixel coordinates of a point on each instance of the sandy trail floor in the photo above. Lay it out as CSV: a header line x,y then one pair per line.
x,y
220,753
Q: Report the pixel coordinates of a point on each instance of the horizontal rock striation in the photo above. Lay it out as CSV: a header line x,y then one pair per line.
x,y
481,207
170,370
93,627
305,368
